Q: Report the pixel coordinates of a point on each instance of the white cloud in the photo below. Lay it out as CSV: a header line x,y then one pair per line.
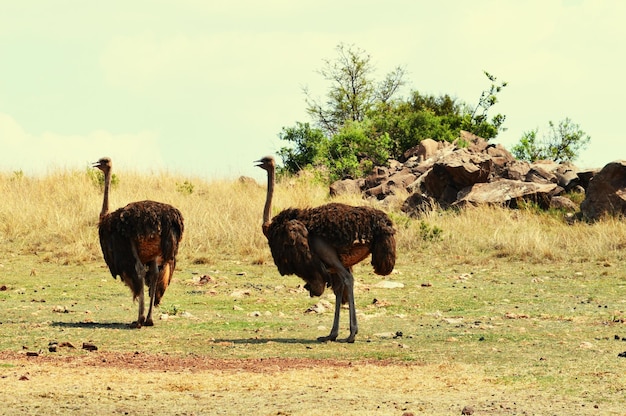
x,y
35,154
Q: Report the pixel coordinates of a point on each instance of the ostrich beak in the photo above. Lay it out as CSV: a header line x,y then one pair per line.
x,y
265,163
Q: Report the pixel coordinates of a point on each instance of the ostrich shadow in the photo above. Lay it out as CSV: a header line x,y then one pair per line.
x,y
259,341
93,325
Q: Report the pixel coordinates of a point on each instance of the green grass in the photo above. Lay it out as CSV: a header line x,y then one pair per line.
x,y
527,301
554,328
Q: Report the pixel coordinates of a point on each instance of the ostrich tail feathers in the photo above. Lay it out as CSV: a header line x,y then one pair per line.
x,y
384,254
165,277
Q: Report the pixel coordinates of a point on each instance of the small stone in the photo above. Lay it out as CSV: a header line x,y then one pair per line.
x,y
89,346
467,410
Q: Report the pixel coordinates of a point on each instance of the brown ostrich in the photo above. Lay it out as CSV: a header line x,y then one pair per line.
x,y
139,243
321,245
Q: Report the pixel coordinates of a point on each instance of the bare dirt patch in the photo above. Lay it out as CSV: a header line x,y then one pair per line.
x,y
140,383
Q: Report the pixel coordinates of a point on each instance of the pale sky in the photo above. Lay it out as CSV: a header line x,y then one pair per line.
x,y
203,88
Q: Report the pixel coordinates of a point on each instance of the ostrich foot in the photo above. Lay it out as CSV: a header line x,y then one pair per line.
x,y
138,323
333,338
327,338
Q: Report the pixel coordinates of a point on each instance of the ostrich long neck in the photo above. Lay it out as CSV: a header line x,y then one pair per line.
x,y
105,199
267,210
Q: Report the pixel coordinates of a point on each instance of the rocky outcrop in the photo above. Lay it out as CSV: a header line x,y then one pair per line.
x,y
436,174
606,193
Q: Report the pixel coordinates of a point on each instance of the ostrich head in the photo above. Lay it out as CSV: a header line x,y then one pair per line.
x,y
266,163
104,164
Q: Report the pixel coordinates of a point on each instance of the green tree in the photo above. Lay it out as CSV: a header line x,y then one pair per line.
x,y
362,123
477,121
306,148
562,144
355,150
353,91
410,121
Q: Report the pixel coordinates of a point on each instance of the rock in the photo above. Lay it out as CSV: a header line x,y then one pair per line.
x,y
387,284
506,192
440,174
606,193
247,181
320,307
567,176
345,186
499,155
516,170
538,174
585,176
563,203
455,172
89,346
418,204
397,181
467,410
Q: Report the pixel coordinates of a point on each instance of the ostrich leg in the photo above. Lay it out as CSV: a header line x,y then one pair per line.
x,y
330,257
153,275
140,273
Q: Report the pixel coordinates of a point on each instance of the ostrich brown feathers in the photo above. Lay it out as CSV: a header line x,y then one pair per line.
x,y
156,228
139,243
321,245
354,232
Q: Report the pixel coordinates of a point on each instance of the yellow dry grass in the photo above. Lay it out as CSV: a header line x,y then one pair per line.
x,y
56,216
511,311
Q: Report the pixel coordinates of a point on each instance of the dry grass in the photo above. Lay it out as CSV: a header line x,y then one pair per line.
x,y
56,216
514,312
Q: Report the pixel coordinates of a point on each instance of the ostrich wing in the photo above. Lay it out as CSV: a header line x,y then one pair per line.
x,y
289,243
116,248
355,232
152,221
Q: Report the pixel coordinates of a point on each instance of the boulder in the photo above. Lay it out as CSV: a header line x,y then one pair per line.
x,y
418,204
397,181
427,149
585,176
454,172
539,174
377,177
346,186
567,176
563,203
499,155
516,170
506,192
441,174
606,193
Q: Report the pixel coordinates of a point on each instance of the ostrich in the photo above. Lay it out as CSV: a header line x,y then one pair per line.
x,y
139,243
321,245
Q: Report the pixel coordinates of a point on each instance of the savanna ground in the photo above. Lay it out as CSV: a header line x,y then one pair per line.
x,y
505,312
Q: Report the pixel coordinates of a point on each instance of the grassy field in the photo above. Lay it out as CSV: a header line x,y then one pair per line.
x,y
507,312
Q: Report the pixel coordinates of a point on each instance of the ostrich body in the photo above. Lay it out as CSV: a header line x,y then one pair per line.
x,y
321,245
139,243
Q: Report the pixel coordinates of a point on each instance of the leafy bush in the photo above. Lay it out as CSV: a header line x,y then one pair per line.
x,y
563,143
185,188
